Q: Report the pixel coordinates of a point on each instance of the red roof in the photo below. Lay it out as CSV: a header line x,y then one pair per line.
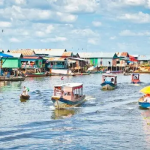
x,y
28,57
132,58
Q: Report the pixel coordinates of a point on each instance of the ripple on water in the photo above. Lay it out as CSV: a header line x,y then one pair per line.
x,y
107,120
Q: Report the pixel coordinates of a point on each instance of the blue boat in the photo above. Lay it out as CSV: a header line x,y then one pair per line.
x,y
144,101
109,82
68,95
144,104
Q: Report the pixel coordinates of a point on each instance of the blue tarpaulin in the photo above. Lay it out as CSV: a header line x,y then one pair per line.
x,y
3,55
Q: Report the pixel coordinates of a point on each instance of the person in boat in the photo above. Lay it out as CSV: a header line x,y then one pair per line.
x,y
135,77
25,91
112,80
147,98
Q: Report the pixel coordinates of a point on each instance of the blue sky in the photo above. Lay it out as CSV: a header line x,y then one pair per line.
x,y
77,25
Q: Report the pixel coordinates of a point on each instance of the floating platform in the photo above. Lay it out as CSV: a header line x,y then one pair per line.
x,y
2,78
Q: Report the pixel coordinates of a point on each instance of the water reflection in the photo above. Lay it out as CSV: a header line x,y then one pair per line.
x,y
146,126
64,113
5,84
23,100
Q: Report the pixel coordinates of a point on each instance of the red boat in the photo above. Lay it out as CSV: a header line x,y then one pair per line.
x,y
135,78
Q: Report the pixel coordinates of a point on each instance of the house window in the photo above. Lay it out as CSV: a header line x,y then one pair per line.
x,y
118,62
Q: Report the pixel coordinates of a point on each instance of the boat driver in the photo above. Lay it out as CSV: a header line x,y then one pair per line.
x,y
112,80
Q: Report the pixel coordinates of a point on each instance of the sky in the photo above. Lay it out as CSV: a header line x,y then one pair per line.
x,y
76,25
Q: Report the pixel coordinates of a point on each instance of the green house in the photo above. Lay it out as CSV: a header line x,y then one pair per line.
x,y
11,62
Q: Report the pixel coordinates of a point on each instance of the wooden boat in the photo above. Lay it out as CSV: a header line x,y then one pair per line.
x,y
126,74
24,97
68,95
143,102
36,75
135,78
107,83
12,78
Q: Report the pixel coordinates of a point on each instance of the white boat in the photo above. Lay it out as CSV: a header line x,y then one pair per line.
x,y
68,95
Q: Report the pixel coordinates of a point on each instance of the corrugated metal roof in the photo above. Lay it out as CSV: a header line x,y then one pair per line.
x,y
122,54
25,52
56,52
67,54
144,57
42,51
16,55
96,55
51,52
56,59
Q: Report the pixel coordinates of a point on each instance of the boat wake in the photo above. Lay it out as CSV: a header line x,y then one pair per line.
x,y
52,108
89,98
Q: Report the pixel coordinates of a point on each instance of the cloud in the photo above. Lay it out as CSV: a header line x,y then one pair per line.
x,y
15,40
130,33
76,6
135,2
26,14
113,38
39,34
55,39
43,30
1,2
4,24
20,2
93,41
137,18
96,23
84,32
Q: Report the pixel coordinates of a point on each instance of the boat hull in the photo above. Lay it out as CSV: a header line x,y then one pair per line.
x,y
136,81
108,86
126,74
61,103
143,103
25,97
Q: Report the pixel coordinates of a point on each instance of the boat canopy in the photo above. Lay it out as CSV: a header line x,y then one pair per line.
x,y
69,91
146,90
71,85
135,76
109,75
113,78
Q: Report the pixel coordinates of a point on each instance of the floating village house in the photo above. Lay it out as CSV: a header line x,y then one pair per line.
x,y
99,59
74,62
10,63
121,60
59,61
144,60
29,60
